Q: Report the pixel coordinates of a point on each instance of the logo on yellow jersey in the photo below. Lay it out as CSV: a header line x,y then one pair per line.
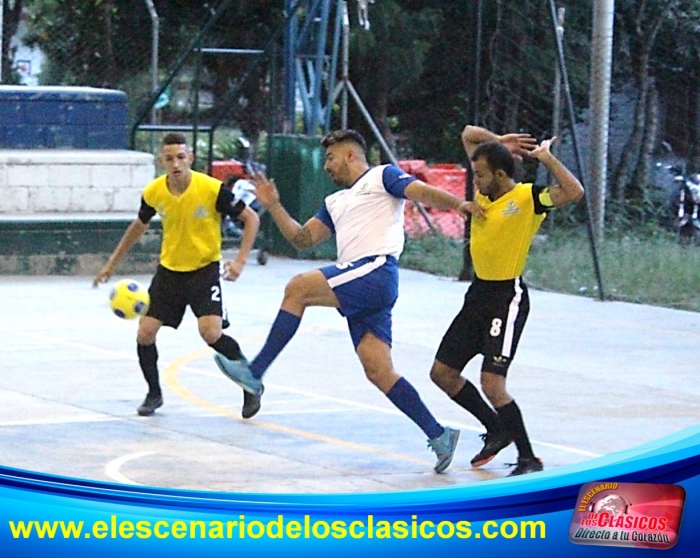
x,y
511,209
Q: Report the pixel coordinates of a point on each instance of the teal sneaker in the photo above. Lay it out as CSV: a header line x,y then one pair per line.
x,y
239,372
444,447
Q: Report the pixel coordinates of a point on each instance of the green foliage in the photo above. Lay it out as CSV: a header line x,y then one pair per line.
x,y
649,267
435,254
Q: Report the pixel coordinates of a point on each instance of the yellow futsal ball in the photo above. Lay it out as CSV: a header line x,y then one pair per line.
x,y
129,299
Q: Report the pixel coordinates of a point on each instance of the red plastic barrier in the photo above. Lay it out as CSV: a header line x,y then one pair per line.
x,y
417,167
446,176
450,178
223,170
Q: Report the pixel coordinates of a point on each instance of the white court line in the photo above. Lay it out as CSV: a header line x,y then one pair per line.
x,y
288,389
388,411
64,420
112,468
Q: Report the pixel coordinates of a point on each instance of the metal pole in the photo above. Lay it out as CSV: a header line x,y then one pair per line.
x,y
556,107
2,50
155,32
601,64
333,71
290,39
467,272
345,69
556,110
195,114
377,134
577,151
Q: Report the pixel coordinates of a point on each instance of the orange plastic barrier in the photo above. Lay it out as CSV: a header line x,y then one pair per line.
x,y
223,170
448,177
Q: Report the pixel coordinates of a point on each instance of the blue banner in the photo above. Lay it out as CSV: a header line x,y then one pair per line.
x,y
534,515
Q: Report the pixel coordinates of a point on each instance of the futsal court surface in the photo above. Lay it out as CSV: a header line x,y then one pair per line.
x,y
592,378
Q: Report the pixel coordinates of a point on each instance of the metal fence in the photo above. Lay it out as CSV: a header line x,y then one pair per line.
x,y
193,65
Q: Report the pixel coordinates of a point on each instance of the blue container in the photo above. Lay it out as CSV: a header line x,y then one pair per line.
x,y
53,117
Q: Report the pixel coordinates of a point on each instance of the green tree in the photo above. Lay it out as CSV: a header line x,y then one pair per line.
x,y
12,11
390,56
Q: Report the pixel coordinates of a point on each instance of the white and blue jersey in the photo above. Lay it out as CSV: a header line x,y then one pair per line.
x,y
367,219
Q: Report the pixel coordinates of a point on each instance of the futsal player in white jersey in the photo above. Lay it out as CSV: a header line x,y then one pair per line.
x,y
366,216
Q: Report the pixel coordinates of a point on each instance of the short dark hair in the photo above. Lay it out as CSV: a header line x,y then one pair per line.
x,y
497,156
174,138
341,136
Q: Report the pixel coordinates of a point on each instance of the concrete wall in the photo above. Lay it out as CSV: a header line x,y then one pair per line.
x,y
62,212
69,181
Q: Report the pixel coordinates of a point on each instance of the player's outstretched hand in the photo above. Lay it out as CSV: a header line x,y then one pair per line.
x,y
543,149
103,275
265,189
518,144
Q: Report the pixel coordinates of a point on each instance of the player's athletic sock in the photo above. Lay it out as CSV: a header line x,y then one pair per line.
x,y
148,360
512,420
283,329
228,347
470,399
406,398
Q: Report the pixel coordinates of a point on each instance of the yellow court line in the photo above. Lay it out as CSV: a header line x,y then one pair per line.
x,y
170,375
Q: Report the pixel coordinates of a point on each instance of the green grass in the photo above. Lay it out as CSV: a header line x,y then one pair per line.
x,y
434,254
643,268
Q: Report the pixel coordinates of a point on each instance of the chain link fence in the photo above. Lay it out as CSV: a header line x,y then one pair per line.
x,y
157,51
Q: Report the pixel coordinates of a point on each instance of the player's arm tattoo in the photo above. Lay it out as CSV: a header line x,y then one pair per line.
x,y
303,239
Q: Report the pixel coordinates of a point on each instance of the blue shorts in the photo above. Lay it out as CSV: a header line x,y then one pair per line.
x,y
367,290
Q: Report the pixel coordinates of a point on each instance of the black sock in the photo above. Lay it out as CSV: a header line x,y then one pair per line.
x,y
470,398
228,347
512,420
148,360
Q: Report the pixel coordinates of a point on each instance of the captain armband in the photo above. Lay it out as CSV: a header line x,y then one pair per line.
x,y
545,198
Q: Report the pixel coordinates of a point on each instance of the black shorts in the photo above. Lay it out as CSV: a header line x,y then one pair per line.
x,y
490,323
172,291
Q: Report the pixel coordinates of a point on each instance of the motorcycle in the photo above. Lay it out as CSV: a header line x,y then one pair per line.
x,y
687,219
241,186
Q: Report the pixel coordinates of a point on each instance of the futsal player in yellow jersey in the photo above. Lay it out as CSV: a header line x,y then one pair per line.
x,y
505,217
190,205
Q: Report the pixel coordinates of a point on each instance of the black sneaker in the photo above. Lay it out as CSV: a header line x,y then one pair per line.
x,y
150,404
527,465
493,443
251,404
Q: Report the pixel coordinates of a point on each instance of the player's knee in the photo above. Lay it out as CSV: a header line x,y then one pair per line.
x,y
380,376
494,388
439,376
296,289
146,336
210,334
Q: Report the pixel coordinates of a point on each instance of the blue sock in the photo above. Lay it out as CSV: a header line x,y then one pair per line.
x,y
406,398
283,329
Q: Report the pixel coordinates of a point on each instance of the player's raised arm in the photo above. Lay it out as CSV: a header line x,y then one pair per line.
x,y
518,144
568,188
311,233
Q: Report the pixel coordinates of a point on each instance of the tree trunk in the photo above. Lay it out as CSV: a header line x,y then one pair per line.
x,y
381,103
642,172
630,153
109,71
10,23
